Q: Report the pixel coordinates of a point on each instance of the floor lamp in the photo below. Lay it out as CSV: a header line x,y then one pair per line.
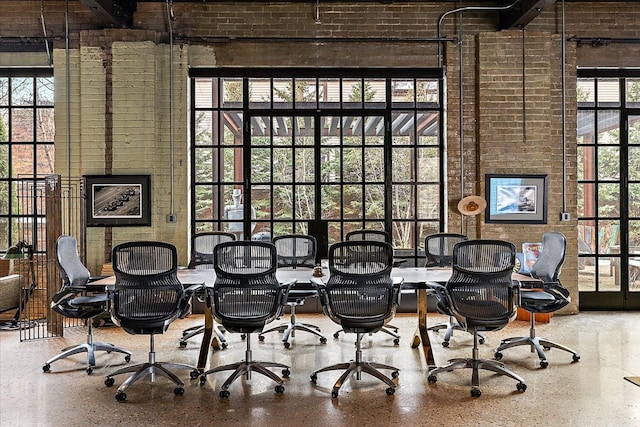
x,y
470,206
17,252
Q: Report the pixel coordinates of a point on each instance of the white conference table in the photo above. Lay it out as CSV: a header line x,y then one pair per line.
x,y
415,278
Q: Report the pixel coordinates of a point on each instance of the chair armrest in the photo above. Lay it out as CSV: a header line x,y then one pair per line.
x,y
397,285
184,305
322,290
95,278
286,287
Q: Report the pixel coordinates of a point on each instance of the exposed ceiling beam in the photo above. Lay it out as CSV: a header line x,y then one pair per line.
x,y
112,13
520,15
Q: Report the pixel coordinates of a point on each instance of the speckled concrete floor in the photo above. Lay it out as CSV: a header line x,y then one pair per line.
x,y
592,392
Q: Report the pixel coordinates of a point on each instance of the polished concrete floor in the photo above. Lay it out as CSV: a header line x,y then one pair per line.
x,y
592,392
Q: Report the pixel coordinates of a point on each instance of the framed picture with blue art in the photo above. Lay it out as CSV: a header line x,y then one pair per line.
x,y
516,198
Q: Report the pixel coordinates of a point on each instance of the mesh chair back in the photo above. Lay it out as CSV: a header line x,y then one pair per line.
x,y
246,292
202,245
439,248
549,264
296,250
360,288
147,288
72,271
480,288
369,235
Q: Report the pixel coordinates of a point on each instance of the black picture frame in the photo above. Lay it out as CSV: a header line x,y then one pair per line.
x,y
516,198
118,200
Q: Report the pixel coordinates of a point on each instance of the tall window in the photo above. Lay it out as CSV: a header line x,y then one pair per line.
x,y
26,142
298,150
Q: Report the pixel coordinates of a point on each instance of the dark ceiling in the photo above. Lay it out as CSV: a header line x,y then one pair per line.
x,y
119,13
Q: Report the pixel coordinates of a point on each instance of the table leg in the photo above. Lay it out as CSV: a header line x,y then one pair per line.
x,y
421,334
206,337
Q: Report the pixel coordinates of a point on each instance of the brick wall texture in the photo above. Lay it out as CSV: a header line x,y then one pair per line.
x,y
504,88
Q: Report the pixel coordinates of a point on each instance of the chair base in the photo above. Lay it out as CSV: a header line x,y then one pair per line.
x,y
388,329
450,326
90,348
196,330
149,369
539,345
245,368
289,330
476,365
357,367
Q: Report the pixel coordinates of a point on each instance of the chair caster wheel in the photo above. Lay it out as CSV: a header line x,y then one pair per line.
x,y
194,374
279,389
544,364
336,335
287,345
396,341
395,374
89,370
203,380
481,340
390,391
475,392
546,348
497,356
334,393
445,344
576,358
243,336
432,379
46,368
109,381
314,378
224,394
286,372
323,340
260,338
178,391
121,397
183,344
521,387
127,358
224,345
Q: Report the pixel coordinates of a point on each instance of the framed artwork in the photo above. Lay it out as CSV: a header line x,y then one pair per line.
x,y
118,200
516,199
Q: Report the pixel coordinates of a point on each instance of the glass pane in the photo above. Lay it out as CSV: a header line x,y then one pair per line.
x,y
4,199
330,202
586,200
204,128
402,93
22,159
205,204
21,91
586,127
4,161
374,93
282,93
374,201
231,93
282,130
428,164
609,200
260,130
305,202
634,200
204,93
401,171
634,274
586,163
608,127
260,165
4,91
233,121
46,158
204,164
587,235
44,91
634,129
4,124
352,201
304,129
632,93
260,205
427,92
402,128
306,95
259,93
22,125
428,201
374,130
374,161
586,92
352,169
428,125
609,163
402,202
352,93
283,198
45,126
329,96
232,165
282,160
305,165
608,92
586,274
330,165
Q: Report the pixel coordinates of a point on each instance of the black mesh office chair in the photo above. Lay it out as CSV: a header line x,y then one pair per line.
x,y
482,297
439,253
361,296
72,301
245,297
147,298
296,251
202,245
551,296
374,236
